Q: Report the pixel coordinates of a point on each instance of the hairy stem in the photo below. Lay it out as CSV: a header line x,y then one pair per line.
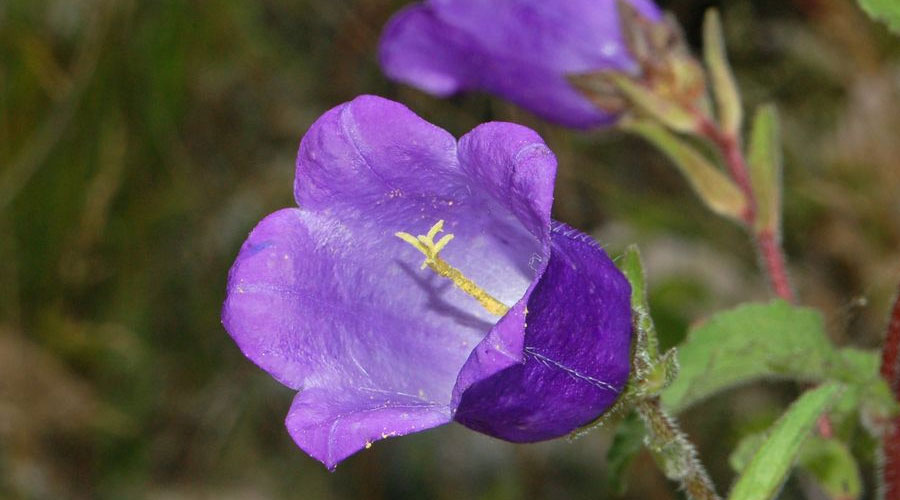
x,y
674,453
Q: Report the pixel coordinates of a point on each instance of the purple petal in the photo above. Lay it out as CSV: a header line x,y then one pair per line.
x,y
332,423
574,36
420,50
326,298
522,50
576,348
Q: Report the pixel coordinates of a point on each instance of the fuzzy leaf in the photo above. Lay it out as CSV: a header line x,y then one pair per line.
x,y
751,342
770,464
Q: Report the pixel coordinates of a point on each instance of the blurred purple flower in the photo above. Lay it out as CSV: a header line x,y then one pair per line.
x,y
331,303
522,50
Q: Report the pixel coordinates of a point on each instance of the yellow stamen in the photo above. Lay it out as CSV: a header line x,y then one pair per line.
x,y
426,244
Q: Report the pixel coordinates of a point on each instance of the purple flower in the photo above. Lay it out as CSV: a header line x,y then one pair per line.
x,y
330,298
522,50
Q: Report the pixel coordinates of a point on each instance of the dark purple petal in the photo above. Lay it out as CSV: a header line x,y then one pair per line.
x,y
522,50
576,349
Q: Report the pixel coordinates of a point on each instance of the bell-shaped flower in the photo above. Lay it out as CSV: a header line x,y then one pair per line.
x,y
522,50
519,327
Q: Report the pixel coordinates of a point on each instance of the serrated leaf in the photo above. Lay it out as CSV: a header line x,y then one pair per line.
x,y
716,190
748,343
770,464
724,87
886,11
765,168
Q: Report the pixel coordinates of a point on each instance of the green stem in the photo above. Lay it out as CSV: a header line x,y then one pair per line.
x,y
673,452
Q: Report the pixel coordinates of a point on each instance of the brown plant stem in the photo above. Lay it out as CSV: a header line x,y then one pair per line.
x,y
768,244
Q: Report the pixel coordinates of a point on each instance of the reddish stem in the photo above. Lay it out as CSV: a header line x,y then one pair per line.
x,y
770,250
768,244
890,370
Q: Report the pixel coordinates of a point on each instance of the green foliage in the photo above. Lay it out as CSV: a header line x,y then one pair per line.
x,y
719,193
886,11
765,168
828,461
627,443
771,462
832,465
751,342
724,87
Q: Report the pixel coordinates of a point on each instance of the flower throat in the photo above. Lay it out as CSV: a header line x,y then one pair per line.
x,y
425,243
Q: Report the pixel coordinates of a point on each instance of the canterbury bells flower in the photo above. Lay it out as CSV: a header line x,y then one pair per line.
x,y
422,281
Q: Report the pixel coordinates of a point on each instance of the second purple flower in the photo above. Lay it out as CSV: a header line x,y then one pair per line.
x,y
522,50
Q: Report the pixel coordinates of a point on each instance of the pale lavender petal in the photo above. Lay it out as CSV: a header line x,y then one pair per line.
x,y
332,423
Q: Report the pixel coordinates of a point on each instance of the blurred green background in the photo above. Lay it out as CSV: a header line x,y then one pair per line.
x,y
140,141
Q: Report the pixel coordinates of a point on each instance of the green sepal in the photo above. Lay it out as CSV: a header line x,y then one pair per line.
x,y
765,168
724,87
662,109
716,190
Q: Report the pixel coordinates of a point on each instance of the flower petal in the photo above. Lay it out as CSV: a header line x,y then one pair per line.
x,y
380,169
307,302
574,36
363,154
577,345
522,50
331,424
420,50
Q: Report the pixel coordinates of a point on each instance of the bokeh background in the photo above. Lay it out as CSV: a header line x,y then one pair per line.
x,y
140,141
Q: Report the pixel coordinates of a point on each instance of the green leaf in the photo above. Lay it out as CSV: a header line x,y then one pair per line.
x,y
770,464
886,11
830,462
725,89
719,193
751,342
765,168
627,443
